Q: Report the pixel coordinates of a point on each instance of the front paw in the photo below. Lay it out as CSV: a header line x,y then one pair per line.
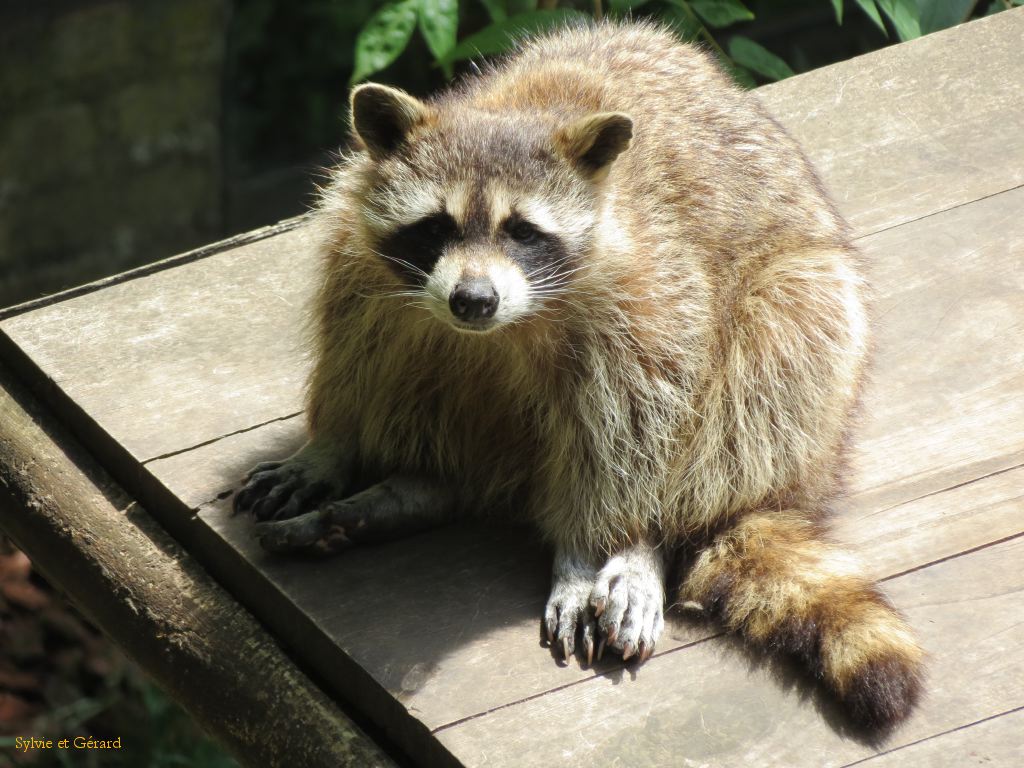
x,y
279,491
628,599
568,610
318,531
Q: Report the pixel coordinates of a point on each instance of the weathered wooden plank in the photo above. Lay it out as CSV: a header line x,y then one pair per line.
x,y
712,705
169,360
459,609
923,530
943,404
227,244
917,128
496,661
119,566
997,742
179,357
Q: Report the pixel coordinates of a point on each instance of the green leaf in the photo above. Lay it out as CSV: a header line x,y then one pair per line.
x,y
940,14
837,6
998,6
756,57
384,37
869,7
439,22
741,75
721,13
623,7
501,35
685,24
904,16
495,9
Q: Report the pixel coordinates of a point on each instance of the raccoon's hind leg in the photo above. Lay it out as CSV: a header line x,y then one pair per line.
x,y
396,507
774,580
278,490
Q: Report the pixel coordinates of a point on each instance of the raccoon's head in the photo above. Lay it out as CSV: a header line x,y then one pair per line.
x,y
483,216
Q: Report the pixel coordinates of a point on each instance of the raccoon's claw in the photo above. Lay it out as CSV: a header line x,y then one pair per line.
x,y
589,632
567,614
645,651
628,598
257,482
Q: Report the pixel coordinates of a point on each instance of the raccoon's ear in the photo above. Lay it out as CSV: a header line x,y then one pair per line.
x,y
593,142
383,117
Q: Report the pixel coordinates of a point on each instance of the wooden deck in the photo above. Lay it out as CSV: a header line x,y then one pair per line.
x,y
178,378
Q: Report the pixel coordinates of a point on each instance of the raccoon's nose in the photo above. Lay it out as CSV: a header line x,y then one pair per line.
x,y
474,299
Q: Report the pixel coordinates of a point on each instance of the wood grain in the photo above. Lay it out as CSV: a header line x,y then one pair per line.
x,y
174,359
448,622
943,404
916,128
908,535
995,742
714,705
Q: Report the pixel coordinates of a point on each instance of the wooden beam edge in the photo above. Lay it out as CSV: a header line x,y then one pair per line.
x,y
235,241
94,542
349,683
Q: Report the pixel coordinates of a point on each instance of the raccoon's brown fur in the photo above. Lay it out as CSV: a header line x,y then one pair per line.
x,y
690,357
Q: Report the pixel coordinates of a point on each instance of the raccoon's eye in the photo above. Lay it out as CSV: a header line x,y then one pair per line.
x,y
415,248
437,228
522,231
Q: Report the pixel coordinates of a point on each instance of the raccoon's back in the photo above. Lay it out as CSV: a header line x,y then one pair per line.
x,y
603,67
706,165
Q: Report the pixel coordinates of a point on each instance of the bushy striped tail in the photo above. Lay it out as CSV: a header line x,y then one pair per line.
x,y
773,579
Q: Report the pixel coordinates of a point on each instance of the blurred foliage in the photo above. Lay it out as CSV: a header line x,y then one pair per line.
x,y
387,33
291,63
61,678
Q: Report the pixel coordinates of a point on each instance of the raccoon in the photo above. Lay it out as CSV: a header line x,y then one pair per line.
x,y
596,284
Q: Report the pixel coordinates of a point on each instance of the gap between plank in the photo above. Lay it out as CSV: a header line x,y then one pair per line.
x,y
970,551
934,493
934,736
898,224
217,439
573,684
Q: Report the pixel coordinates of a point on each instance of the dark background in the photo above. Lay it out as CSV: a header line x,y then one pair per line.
x,y
131,130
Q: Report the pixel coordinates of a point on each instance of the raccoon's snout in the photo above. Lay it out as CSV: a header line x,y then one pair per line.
x,y
474,300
